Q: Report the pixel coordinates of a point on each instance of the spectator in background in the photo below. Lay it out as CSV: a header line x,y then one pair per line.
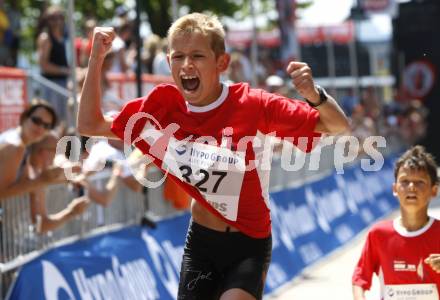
x,y
349,102
412,122
126,34
51,47
362,126
83,44
160,63
246,65
121,15
371,104
103,157
13,36
123,171
4,27
110,102
275,84
240,69
35,123
105,195
236,71
120,64
151,45
105,152
41,158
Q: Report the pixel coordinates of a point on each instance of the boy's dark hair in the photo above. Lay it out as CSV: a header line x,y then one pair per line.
x,y
33,106
418,159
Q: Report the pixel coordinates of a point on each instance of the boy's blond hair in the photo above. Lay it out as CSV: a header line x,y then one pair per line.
x,y
209,26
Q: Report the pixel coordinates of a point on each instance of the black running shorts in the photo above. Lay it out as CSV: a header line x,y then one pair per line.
x,y
214,262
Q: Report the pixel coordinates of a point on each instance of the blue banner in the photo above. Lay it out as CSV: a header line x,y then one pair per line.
x,y
137,263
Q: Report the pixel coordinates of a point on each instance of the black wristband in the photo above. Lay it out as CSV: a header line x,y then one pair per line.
x,y
322,97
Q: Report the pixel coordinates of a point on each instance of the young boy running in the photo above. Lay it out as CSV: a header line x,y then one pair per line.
x,y
210,143
404,252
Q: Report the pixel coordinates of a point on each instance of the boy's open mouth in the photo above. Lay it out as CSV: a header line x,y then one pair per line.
x,y
190,83
411,197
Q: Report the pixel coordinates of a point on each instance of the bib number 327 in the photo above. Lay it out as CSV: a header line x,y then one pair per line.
x,y
204,176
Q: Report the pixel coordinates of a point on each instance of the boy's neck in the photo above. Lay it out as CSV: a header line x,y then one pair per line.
x,y
414,222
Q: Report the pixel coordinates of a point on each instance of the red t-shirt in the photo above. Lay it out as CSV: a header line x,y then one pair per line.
x,y
210,163
397,256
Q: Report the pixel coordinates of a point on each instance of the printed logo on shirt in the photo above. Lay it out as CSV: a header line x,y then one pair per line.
x,y
181,149
402,266
425,291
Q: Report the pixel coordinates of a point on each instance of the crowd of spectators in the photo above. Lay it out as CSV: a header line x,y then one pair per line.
x,y
9,33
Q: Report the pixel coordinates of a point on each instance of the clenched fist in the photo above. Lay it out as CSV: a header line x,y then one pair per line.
x,y
434,261
102,41
302,79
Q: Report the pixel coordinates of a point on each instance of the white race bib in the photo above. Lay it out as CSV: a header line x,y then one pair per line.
x,y
425,291
215,171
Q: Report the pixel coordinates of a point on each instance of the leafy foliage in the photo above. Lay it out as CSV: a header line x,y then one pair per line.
x,y
157,11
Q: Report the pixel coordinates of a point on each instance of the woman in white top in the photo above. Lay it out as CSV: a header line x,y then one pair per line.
x,y
35,122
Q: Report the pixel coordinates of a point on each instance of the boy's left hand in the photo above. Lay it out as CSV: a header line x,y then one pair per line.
x,y
302,78
434,261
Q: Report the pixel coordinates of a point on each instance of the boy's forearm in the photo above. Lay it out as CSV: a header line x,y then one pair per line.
x,y
89,112
333,117
358,293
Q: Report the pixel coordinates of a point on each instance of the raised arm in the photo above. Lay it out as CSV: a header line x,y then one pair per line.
x,y
358,293
91,121
332,119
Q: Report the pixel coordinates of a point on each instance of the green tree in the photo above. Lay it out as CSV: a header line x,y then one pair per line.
x,y
159,11
32,13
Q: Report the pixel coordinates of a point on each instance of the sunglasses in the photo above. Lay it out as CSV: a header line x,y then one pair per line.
x,y
39,122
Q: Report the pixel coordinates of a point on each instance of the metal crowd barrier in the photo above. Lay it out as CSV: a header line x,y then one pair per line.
x,y
20,242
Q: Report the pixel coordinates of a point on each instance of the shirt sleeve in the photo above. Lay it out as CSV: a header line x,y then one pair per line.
x,y
127,117
367,265
137,112
291,119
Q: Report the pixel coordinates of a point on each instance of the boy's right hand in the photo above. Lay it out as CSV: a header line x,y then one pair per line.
x,y
102,41
434,261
